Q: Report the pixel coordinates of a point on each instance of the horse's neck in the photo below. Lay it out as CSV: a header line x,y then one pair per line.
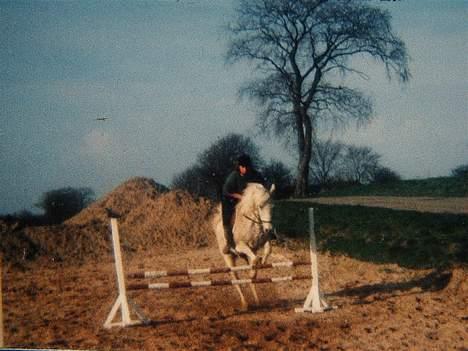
x,y
246,205
241,215
244,223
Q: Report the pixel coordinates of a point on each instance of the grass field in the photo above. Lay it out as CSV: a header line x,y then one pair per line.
x,y
433,187
408,238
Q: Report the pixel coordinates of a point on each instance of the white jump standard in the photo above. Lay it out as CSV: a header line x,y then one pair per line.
x,y
313,303
122,300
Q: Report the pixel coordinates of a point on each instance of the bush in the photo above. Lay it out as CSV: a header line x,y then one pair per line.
x,y
61,204
385,175
460,171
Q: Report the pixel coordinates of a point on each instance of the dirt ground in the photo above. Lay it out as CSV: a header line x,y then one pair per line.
x,y
379,307
422,204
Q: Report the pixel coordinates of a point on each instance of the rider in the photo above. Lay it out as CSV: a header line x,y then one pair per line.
x,y
233,187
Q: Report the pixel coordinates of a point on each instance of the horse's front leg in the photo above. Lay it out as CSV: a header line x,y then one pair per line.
x,y
266,252
253,260
231,263
253,273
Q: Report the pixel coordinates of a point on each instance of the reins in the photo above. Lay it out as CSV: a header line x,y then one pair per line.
x,y
257,218
256,221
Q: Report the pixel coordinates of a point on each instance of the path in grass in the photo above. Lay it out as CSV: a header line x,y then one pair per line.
x,y
422,204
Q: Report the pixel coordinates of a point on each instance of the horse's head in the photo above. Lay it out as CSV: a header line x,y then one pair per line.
x,y
259,206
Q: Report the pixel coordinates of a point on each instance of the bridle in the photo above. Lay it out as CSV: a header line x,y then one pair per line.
x,y
257,220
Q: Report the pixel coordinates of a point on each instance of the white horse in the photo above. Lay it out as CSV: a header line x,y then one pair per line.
x,y
252,231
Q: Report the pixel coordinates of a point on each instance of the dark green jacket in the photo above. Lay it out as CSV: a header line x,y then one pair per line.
x,y
235,183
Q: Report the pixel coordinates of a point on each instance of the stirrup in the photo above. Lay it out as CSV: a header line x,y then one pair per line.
x,y
228,249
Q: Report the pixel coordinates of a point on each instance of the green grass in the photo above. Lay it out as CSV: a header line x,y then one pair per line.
x,y
436,187
408,238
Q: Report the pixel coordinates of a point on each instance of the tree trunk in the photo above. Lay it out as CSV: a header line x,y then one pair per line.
x,y
305,153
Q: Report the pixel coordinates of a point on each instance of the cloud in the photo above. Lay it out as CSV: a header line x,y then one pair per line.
x,y
97,143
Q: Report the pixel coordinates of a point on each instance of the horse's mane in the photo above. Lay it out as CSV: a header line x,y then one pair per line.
x,y
254,193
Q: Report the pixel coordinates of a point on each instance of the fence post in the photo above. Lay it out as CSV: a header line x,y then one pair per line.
x,y
314,302
2,344
122,300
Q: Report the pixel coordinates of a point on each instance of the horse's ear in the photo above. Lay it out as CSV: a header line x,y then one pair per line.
x,y
272,188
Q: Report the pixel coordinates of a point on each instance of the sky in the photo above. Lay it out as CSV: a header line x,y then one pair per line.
x,y
156,70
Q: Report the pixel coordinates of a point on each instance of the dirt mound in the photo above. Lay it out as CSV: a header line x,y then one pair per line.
x,y
149,216
70,243
15,245
124,199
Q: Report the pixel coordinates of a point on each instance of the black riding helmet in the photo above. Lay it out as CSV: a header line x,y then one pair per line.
x,y
244,160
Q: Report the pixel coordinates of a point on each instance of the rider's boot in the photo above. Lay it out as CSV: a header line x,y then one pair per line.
x,y
230,244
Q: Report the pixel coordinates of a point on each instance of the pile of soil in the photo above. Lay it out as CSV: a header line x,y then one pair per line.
x,y
148,215
15,245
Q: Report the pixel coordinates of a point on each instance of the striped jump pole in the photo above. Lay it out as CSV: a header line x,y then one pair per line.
x,y
213,270
313,303
219,282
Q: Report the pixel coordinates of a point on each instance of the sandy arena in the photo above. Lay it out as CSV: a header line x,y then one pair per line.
x,y
379,308
61,298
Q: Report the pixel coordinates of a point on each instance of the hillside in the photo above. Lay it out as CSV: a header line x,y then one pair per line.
x,y
431,187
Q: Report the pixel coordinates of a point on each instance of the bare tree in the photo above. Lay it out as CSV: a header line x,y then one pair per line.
x,y
279,174
360,164
326,158
299,47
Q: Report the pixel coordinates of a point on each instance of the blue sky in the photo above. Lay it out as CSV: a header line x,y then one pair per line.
x,y
156,69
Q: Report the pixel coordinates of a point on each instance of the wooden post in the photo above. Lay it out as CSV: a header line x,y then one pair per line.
x,y
122,300
2,344
314,302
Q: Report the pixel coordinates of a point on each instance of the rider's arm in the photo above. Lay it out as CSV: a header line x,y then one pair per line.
x,y
230,187
236,196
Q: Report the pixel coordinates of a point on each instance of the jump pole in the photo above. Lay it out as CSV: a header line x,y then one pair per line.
x,y
213,270
122,301
314,302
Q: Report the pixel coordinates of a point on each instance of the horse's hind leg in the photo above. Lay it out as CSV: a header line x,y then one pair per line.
x,y
253,289
230,263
